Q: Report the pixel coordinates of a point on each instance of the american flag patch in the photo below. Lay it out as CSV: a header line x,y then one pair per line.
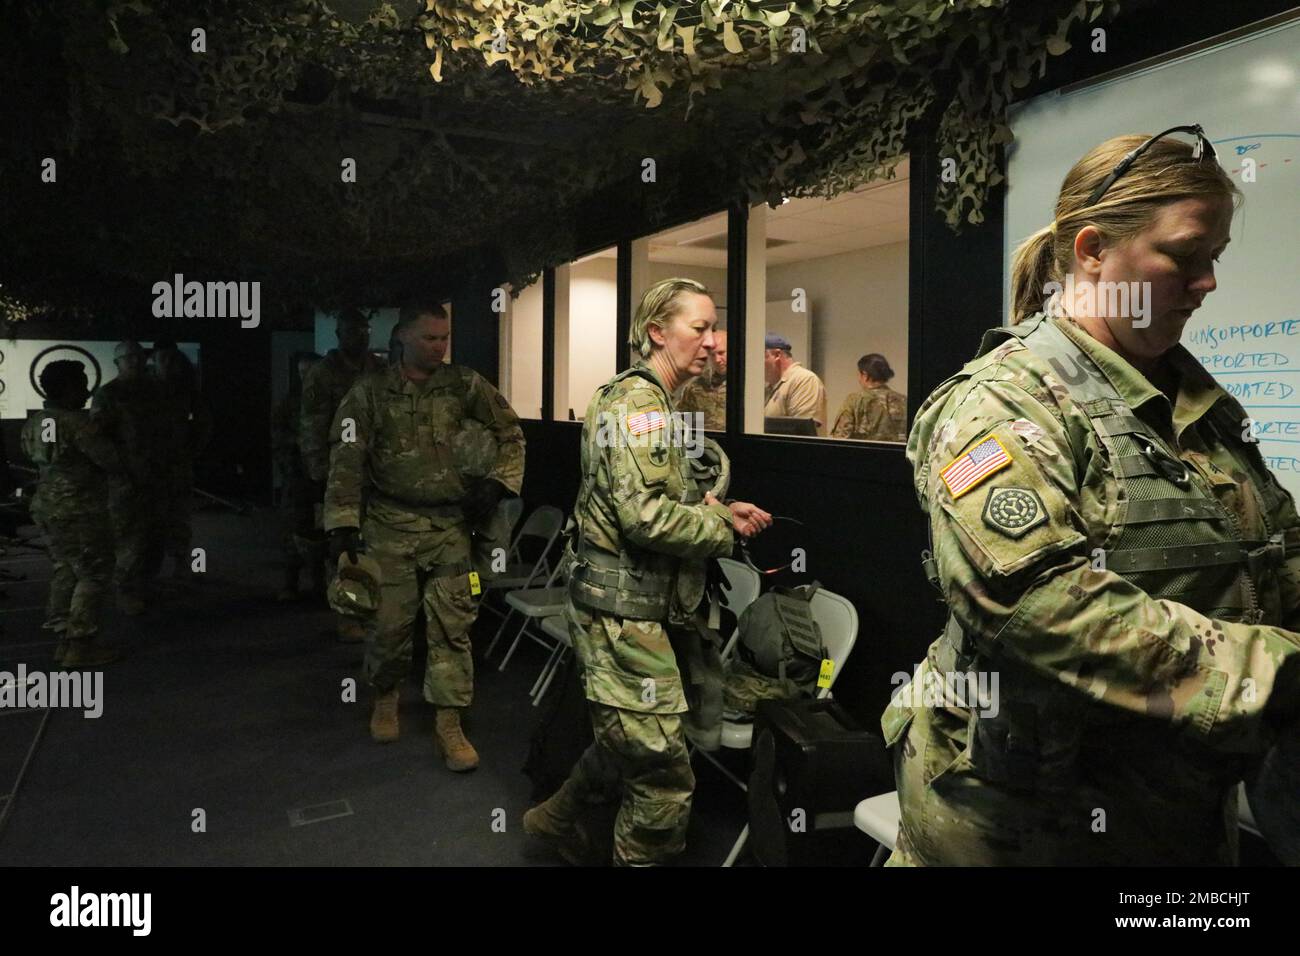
x,y
973,467
644,422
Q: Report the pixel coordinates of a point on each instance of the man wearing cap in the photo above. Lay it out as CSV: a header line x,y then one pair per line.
x,y
129,412
792,391
399,434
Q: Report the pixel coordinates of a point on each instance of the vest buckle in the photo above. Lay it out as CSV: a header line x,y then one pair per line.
x,y
1271,554
1168,466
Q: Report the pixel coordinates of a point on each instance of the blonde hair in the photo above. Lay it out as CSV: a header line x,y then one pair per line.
x,y
661,302
1165,173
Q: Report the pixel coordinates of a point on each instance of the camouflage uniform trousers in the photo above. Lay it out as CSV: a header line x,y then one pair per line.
x,y
81,551
408,561
639,751
134,510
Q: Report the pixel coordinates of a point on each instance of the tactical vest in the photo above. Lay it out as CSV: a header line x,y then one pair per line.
x,y
1170,537
446,451
636,583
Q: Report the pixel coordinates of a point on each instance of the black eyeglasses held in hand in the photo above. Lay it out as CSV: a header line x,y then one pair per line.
x,y
744,550
1202,148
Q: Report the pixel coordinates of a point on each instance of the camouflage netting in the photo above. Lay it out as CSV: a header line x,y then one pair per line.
x,y
482,131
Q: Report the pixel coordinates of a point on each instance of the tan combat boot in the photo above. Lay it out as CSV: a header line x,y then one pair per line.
x,y
89,652
554,821
383,717
449,740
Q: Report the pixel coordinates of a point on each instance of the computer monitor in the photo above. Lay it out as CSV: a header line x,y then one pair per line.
x,y
784,425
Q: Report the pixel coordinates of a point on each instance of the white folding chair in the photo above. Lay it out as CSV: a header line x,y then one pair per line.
x,y
878,818
557,628
743,585
544,524
513,509
837,619
535,604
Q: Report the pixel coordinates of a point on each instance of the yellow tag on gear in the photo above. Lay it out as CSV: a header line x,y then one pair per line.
x,y
828,668
474,587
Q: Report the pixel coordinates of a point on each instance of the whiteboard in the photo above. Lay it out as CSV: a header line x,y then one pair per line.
x,y
1246,94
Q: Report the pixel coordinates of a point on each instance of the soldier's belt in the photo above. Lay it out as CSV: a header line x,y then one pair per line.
x,y
423,510
618,593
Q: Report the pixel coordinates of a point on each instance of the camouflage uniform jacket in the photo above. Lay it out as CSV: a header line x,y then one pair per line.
x,y
708,395
643,532
131,413
323,389
1112,697
402,448
877,414
74,467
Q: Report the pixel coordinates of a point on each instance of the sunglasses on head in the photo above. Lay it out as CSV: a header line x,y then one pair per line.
x,y
1202,148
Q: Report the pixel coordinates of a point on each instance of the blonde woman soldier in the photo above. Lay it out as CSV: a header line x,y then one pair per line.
x,y
647,523
1117,561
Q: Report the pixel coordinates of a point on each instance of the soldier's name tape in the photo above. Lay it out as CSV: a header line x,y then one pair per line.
x,y
969,690
61,690
649,428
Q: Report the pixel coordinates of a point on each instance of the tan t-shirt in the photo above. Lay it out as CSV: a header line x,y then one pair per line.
x,y
799,394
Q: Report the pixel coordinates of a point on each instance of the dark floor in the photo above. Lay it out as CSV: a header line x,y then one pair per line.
x,y
232,703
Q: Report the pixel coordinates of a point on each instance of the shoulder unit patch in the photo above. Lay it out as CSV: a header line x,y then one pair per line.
x,y
1014,511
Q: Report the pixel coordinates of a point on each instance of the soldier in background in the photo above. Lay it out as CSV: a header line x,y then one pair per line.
x,y
876,412
645,532
708,393
300,543
322,391
74,458
129,409
187,428
403,438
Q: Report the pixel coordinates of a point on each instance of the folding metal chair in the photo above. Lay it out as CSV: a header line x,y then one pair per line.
x,y
543,524
837,619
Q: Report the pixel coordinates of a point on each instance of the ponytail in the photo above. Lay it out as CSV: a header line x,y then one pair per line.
x,y
1033,265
